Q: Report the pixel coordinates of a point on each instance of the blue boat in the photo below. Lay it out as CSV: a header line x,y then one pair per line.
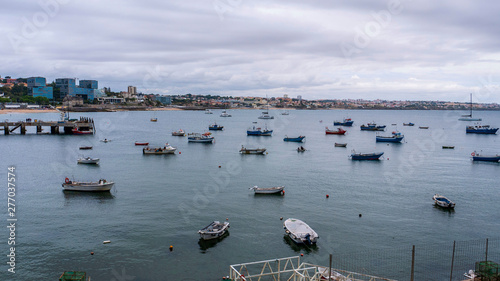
x,y
478,129
347,122
297,139
259,132
396,137
372,127
487,158
408,124
366,156
215,127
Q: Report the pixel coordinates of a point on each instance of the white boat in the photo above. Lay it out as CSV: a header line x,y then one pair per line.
x,y
167,149
244,150
443,202
265,115
101,185
225,114
201,138
267,190
285,113
300,232
208,111
179,133
88,160
214,230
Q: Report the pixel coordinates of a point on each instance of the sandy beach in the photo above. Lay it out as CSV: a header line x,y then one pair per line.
x,y
24,111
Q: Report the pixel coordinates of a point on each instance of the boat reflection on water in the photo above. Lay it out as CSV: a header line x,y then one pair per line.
x,y
308,248
76,196
445,210
207,244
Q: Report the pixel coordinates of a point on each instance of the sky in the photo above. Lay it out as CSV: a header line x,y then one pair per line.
x,y
366,49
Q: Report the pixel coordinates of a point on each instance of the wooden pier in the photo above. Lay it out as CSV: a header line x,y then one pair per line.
x,y
83,126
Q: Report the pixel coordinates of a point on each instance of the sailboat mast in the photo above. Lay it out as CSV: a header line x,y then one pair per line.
x,y
471,105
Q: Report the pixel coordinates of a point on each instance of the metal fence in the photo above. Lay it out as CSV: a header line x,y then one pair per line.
x,y
444,261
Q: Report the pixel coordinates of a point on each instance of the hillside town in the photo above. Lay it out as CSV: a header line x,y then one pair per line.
x,y
35,92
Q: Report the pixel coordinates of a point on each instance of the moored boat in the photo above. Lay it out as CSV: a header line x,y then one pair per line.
x,y
487,158
215,127
179,133
442,201
265,115
339,131
366,156
208,111
167,149
154,119
340,144
301,149
88,160
481,129
201,138
300,232
141,143
85,147
214,230
79,131
448,147
285,113
244,150
297,139
268,190
225,114
408,124
346,122
423,127
259,132
372,127
468,117
396,137
101,185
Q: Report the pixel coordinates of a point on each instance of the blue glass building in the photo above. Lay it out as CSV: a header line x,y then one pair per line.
x,y
37,87
87,89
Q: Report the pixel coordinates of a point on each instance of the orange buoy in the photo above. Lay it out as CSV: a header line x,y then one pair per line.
x,y
282,192
171,248
92,253
301,255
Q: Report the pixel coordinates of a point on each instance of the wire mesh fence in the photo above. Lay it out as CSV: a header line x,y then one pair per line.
x,y
440,261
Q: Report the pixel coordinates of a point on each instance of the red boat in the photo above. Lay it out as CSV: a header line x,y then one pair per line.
x,y
75,131
339,131
141,143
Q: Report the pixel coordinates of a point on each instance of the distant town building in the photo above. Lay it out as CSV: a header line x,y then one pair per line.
x,y
110,100
163,99
299,97
70,101
87,89
132,91
37,87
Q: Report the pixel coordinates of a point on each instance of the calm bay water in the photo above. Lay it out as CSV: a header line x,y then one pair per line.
x,y
160,201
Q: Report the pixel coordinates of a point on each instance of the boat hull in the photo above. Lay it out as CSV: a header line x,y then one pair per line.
x,y
495,158
268,190
194,140
93,161
443,202
90,187
340,144
299,139
347,124
490,131
213,230
253,151
366,156
260,133
389,139
300,232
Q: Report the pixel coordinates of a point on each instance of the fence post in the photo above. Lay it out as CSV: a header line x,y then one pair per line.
x,y
412,263
486,249
452,261
330,269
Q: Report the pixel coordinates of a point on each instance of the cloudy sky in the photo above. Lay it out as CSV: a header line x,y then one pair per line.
x,y
388,49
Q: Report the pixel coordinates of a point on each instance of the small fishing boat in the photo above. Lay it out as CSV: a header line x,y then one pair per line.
x,y
214,230
101,185
208,111
225,114
105,140
201,138
77,131
268,190
265,115
285,113
340,144
141,143
366,156
481,129
408,124
487,158
244,150
346,122
372,127
215,127
85,147
448,147
300,232
179,133
301,149
88,160
167,149
442,201
339,131
396,137
259,132
297,139
154,119
423,127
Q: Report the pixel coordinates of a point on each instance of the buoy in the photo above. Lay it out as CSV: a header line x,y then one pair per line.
x,y
92,253
301,255
387,158
360,215
179,152
106,242
327,196
219,166
281,218
282,192
227,219
171,248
